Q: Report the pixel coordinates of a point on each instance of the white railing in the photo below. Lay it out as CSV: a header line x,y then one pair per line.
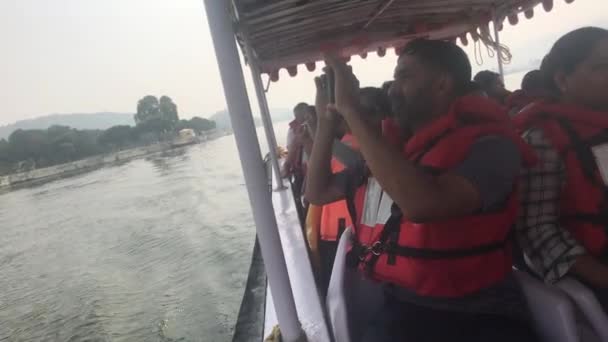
x,y
222,34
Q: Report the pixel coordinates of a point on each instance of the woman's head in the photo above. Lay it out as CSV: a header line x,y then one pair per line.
x,y
576,68
492,85
533,82
300,111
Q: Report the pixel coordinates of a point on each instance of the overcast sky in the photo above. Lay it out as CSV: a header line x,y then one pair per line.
x,y
82,56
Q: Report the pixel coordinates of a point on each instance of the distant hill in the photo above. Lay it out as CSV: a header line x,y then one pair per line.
x,y
106,120
282,114
79,121
222,119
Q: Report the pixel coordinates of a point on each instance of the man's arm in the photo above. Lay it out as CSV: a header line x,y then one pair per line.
x,y
347,155
592,270
420,196
322,186
550,248
291,157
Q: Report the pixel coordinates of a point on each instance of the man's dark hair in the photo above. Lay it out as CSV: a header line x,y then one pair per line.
x,y
377,98
445,56
533,81
485,78
302,106
568,52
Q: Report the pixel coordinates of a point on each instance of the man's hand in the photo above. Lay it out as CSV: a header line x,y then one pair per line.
x,y
321,188
321,100
285,172
302,136
347,86
592,270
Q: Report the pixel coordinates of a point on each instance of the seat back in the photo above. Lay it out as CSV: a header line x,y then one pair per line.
x,y
336,292
588,304
352,301
552,311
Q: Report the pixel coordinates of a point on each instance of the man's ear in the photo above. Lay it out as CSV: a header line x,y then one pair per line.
x,y
444,84
561,81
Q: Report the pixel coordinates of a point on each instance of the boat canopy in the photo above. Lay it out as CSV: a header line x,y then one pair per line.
x,y
288,33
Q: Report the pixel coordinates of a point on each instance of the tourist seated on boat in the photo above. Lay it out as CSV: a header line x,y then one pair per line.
x,y
532,89
433,217
335,216
491,83
562,230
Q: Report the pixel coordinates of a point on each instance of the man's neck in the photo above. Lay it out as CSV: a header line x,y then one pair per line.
x,y
434,114
571,102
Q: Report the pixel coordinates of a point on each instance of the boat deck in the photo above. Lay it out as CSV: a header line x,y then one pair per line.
x,y
308,303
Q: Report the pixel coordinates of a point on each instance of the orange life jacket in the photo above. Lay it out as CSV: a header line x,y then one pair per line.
x,y
575,133
335,216
443,258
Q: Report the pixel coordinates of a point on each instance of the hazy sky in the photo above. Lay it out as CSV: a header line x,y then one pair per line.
x,y
81,56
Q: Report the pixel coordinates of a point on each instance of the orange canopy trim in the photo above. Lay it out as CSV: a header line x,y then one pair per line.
x,y
282,34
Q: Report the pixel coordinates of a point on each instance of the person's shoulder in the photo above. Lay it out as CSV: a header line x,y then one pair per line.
x,y
498,153
495,144
536,137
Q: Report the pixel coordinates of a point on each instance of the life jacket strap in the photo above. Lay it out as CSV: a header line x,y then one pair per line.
x,y
390,232
597,219
433,254
594,218
583,152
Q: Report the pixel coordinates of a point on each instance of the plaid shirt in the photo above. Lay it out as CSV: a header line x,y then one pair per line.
x,y
549,248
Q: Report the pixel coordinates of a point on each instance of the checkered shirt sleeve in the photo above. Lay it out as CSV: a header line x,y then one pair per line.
x,y
549,248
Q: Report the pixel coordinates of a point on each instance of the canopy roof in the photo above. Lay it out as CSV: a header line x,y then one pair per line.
x,y
287,33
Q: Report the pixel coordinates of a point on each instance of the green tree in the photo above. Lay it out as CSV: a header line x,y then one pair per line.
x,y
181,124
168,110
117,136
148,108
58,131
85,143
4,150
5,162
201,124
27,144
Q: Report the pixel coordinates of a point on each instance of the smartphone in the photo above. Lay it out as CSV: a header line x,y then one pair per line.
x,y
331,85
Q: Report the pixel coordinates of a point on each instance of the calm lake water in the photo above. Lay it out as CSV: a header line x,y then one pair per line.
x,y
156,249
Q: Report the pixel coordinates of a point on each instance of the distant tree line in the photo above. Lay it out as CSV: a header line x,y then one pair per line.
x,y
156,120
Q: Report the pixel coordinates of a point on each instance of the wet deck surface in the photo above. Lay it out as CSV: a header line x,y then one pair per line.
x,y
305,292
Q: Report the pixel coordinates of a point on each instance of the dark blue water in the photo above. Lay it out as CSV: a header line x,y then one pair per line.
x,y
157,249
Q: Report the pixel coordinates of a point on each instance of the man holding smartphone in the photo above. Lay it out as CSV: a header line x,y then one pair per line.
x,y
433,217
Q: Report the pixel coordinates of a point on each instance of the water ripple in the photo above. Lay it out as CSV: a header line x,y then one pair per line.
x,y
155,249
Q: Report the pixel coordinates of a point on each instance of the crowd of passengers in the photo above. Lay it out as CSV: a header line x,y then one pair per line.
x,y
449,181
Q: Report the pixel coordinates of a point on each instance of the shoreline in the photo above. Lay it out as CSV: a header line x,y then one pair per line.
x,y
48,174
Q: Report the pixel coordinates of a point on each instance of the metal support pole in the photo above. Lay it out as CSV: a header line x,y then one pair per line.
x,y
501,70
231,72
266,119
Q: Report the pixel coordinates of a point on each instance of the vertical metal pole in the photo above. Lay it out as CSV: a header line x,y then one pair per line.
x,y
266,119
501,70
231,72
